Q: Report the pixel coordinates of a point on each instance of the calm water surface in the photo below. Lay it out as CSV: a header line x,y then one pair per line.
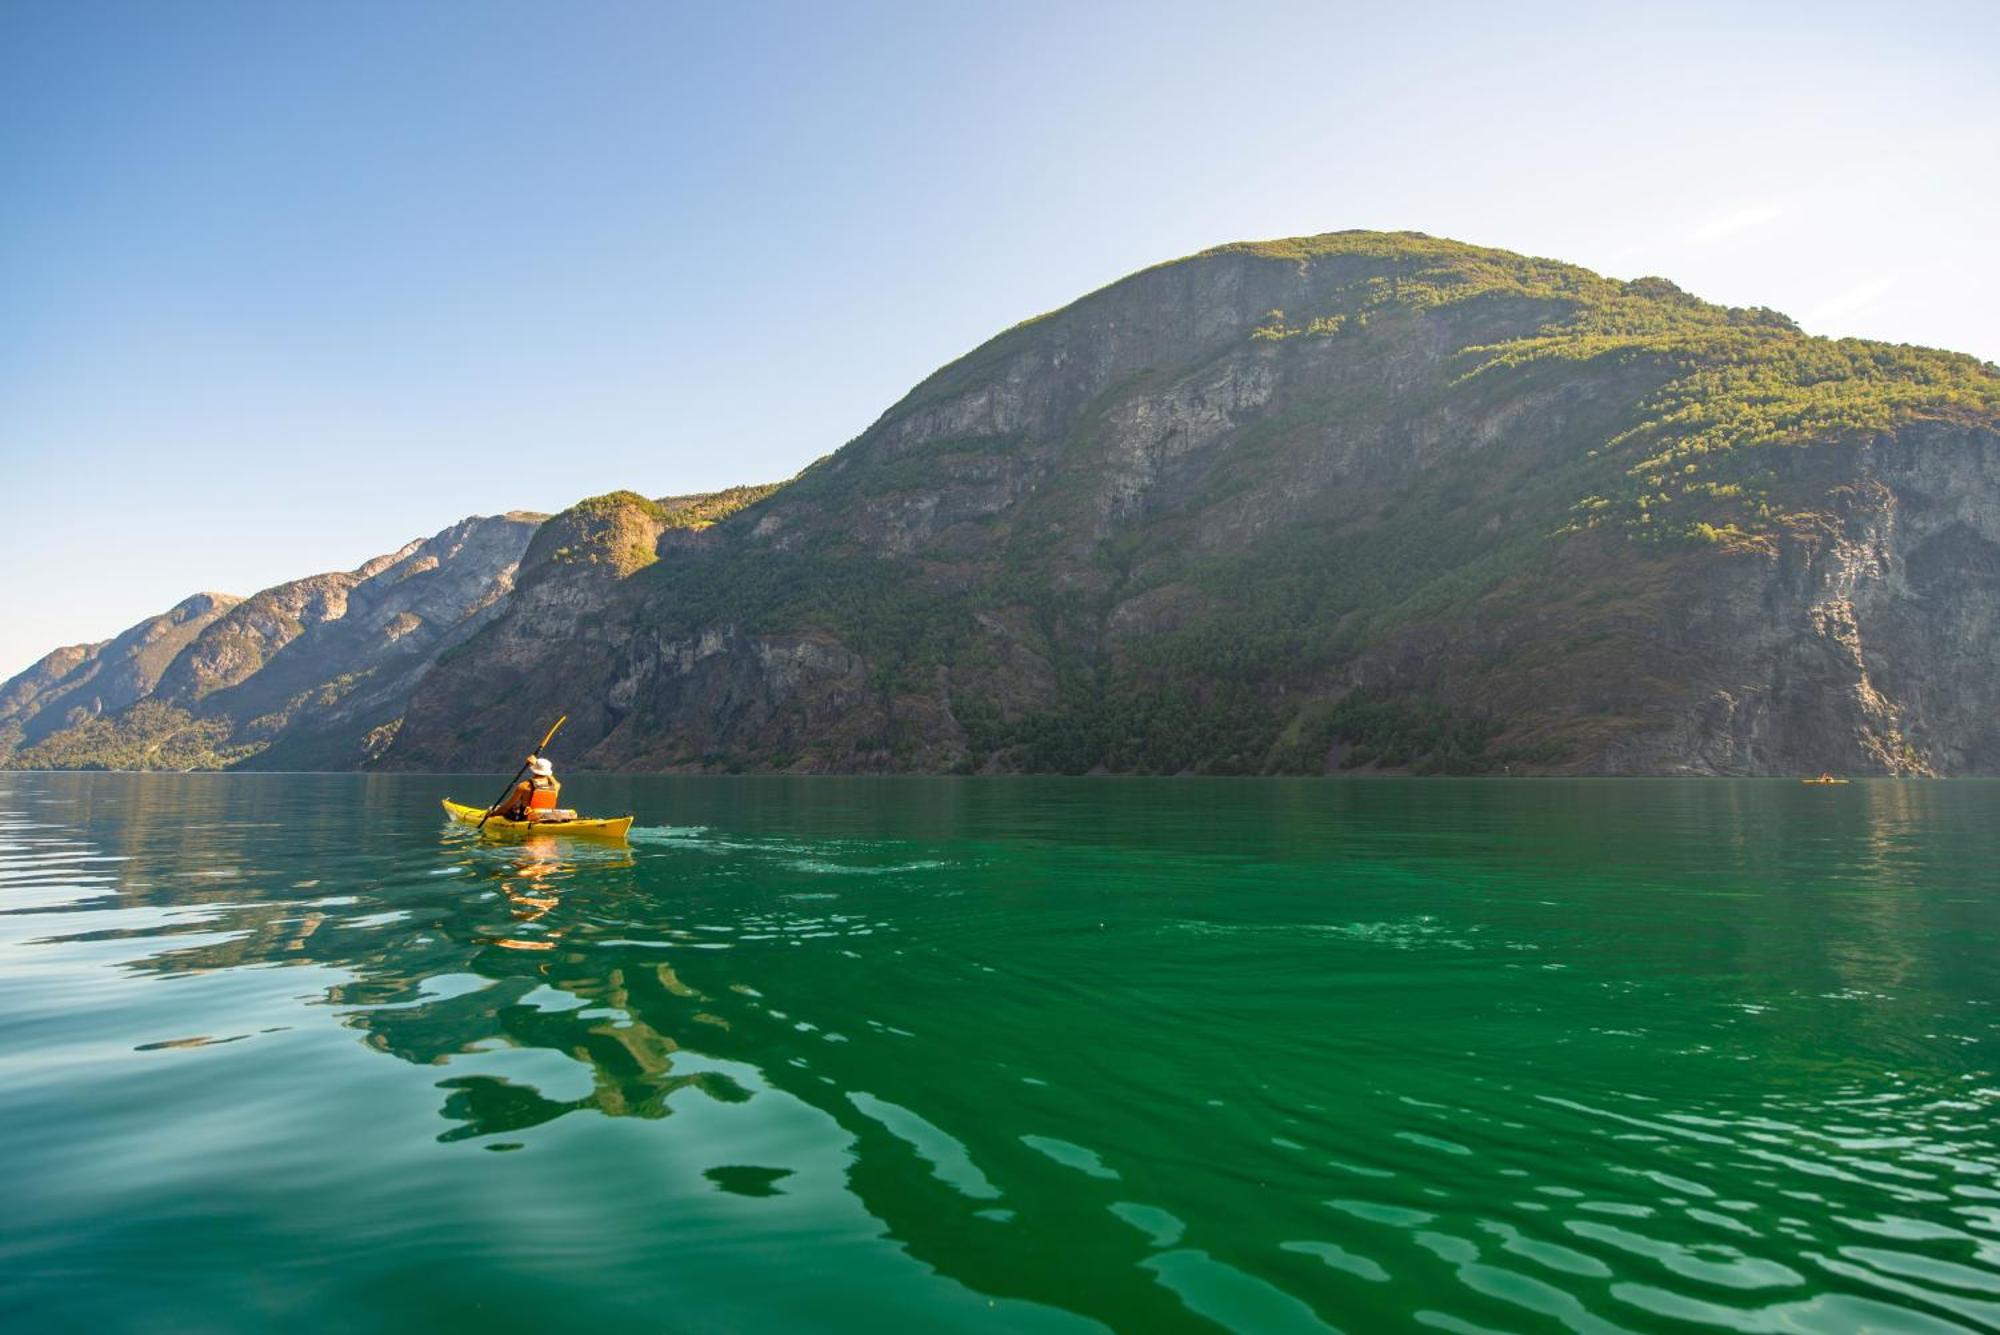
x,y
1005,1055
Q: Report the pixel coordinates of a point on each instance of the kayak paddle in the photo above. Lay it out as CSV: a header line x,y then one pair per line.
x,y
523,770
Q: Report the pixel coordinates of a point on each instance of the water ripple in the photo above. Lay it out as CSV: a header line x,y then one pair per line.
x,y
1480,1058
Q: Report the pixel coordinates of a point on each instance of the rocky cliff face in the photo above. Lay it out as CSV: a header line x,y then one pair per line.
x,y
311,674
1866,641
1355,500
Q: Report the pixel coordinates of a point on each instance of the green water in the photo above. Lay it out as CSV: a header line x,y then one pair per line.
x,y
288,1051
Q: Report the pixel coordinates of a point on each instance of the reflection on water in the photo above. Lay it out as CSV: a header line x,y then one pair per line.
x,y
931,1055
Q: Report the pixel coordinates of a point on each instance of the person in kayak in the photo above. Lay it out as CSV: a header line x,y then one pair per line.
x,y
533,798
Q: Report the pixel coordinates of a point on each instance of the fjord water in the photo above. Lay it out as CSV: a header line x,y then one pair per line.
x,y
906,1054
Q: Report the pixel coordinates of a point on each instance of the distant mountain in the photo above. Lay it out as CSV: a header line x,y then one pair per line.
x,y
1362,501
82,681
307,675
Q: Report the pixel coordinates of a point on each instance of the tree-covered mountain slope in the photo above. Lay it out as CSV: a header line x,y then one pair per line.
x,y
1354,500
312,674
81,681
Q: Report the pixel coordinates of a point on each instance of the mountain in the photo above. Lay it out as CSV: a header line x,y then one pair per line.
x,y
82,681
1363,501
1359,500
312,674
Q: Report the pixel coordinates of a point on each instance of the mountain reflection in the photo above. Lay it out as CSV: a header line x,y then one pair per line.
x,y
614,1019
507,955
461,952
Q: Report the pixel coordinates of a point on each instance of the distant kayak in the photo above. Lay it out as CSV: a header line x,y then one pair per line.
x,y
1817,782
611,828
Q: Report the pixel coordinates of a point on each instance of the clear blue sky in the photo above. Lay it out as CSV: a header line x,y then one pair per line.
x,y
285,285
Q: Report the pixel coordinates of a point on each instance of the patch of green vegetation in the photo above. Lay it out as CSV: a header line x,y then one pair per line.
x,y
1738,380
1397,732
148,736
601,530
707,508
611,503
1742,382
614,530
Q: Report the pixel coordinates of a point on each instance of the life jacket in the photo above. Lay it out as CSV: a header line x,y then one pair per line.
x,y
543,794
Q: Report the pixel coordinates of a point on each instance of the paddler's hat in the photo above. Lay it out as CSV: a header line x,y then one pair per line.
x,y
541,767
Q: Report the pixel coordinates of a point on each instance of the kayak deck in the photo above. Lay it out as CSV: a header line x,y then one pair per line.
x,y
613,827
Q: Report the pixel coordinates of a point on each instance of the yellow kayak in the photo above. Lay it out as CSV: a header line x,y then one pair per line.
x,y
1817,782
612,828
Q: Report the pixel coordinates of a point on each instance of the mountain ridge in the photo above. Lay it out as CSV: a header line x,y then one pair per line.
x,y
299,672
1178,523
1353,501
108,675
